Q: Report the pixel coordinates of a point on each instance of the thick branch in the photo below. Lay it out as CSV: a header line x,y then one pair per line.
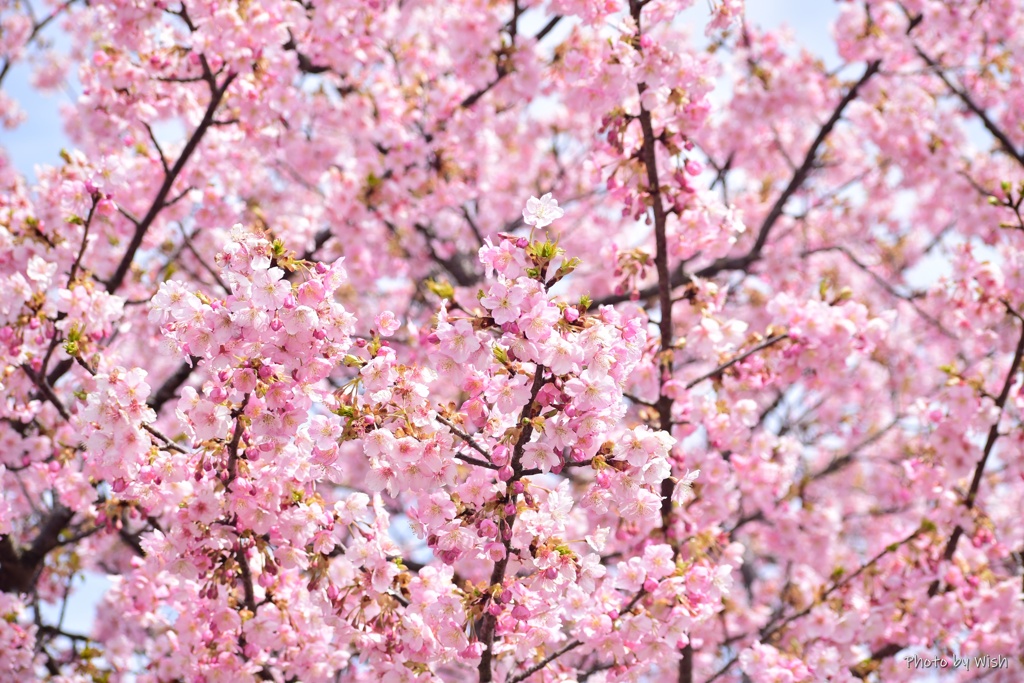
x,y
159,202
797,180
19,570
488,622
171,385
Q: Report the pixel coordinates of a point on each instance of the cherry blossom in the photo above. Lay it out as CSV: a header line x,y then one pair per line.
x,y
511,342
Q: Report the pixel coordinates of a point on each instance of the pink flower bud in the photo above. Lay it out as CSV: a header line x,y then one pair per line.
x,y
571,314
499,456
550,573
650,585
505,473
521,612
518,487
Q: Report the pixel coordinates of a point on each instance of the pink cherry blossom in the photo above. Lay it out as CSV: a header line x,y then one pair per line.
x,y
300,385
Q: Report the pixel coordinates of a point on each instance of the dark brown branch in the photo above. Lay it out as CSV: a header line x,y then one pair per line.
x,y
738,359
47,391
159,150
1004,140
19,570
471,442
81,251
990,442
848,458
169,388
503,71
488,622
568,647
797,180
159,202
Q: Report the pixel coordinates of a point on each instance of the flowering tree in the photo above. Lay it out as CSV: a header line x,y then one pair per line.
x,y
286,357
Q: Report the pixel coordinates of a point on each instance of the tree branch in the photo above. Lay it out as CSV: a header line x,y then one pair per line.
x,y
159,202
